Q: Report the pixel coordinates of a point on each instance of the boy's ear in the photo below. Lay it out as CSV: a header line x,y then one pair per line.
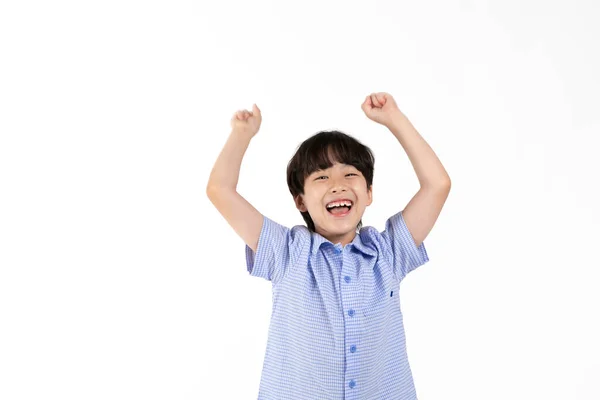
x,y
300,203
370,193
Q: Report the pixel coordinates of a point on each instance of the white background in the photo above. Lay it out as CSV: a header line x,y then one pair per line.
x,y
120,280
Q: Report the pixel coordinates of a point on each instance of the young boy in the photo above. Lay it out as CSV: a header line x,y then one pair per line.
x,y
336,328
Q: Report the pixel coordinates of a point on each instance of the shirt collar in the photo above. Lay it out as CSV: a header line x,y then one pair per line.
x,y
360,242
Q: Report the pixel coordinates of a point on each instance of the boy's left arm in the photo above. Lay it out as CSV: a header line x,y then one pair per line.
x,y
422,211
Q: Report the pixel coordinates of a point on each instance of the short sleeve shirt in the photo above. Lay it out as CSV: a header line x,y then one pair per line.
x,y
336,329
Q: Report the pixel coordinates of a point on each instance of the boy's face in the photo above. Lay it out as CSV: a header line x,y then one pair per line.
x,y
321,188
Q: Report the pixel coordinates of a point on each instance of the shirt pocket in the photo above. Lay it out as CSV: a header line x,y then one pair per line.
x,y
381,301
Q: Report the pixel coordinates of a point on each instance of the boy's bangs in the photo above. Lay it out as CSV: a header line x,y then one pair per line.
x,y
321,156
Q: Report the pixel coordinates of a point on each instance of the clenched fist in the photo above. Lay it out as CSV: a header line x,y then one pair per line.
x,y
246,122
380,107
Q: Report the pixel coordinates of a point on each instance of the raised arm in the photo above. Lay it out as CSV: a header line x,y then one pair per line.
x,y
422,211
222,184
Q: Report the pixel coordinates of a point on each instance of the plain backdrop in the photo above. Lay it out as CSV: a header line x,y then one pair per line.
x,y
120,280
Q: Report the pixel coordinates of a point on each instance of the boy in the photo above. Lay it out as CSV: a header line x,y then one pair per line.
x,y
336,328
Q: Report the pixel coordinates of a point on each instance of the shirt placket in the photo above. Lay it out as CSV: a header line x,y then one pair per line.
x,y
349,291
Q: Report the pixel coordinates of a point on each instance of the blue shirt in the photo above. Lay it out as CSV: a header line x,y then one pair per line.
x,y
336,329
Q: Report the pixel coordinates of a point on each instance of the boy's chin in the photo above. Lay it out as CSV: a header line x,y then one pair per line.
x,y
341,223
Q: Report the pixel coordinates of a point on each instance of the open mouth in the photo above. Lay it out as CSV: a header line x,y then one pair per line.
x,y
339,208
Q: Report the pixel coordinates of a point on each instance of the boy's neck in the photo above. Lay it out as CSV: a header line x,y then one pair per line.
x,y
343,239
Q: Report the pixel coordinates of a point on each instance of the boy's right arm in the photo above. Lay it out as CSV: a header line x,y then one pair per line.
x,y
240,214
221,188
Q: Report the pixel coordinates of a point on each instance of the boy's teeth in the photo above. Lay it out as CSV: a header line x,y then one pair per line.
x,y
340,203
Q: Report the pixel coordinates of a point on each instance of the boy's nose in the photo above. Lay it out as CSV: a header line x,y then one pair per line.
x,y
338,188
337,185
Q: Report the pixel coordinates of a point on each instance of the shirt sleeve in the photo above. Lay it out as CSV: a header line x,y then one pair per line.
x,y
400,248
276,247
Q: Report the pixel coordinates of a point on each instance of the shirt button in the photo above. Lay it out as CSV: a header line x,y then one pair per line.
x,y
347,279
351,313
338,250
352,349
352,383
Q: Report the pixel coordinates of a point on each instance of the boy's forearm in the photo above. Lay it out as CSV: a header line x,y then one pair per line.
x,y
426,164
226,171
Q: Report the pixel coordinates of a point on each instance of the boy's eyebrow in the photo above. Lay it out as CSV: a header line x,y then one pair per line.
x,y
320,171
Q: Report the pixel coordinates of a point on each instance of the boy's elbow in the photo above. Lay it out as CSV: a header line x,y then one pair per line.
x,y
213,194
214,190
210,190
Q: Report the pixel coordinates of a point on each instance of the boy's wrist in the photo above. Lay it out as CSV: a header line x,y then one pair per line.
x,y
398,118
242,134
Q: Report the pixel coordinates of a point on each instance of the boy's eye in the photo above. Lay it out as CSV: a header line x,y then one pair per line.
x,y
324,176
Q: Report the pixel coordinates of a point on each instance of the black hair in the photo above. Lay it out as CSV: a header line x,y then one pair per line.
x,y
320,151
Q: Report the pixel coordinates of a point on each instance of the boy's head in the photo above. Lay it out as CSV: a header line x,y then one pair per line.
x,y
328,166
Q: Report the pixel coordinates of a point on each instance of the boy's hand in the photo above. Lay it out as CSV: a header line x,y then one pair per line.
x,y
247,122
381,108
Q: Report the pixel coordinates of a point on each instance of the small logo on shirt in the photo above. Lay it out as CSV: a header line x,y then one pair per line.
x,y
391,293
